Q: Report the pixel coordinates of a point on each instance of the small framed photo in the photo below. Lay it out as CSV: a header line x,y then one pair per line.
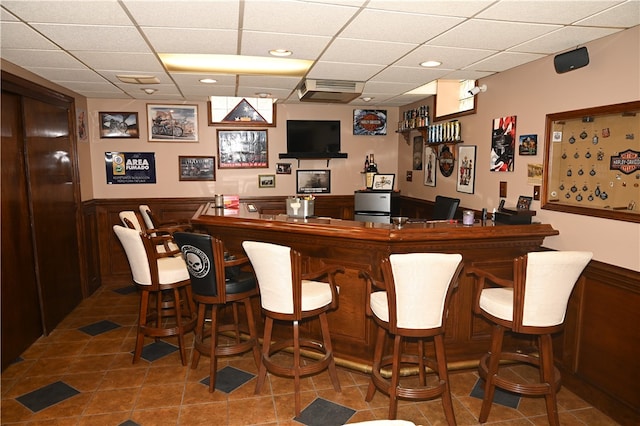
x,y
196,168
528,145
383,182
119,125
431,165
466,176
524,203
283,168
172,123
266,181
313,181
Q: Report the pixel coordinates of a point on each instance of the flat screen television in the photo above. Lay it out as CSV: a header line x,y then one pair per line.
x,y
313,139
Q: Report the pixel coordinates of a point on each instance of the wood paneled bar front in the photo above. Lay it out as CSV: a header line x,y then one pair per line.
x,y
360,246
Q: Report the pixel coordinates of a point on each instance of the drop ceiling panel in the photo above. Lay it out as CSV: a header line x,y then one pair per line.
x,y
342,71
220,14
36,58
106,12
492,35
563,39
172,40
398,27
20,36
409,75
451,58
545,11
64,74
625,15
295,17
366,51
505,60
464,8
94,38
136,63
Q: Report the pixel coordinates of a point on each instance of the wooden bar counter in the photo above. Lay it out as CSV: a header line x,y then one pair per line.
x,y
360,246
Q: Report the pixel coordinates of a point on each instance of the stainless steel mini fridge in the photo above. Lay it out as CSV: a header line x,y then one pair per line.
x,y
375,206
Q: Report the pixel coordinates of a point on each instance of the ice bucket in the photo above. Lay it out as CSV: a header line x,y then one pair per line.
x,y
299,207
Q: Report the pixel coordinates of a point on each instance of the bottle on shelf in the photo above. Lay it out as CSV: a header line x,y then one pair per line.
x,y
366,164
372,169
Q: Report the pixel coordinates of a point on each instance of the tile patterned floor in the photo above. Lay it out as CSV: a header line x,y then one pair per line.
x,y
82,374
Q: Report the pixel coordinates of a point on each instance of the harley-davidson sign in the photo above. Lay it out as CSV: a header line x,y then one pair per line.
x,y
627,161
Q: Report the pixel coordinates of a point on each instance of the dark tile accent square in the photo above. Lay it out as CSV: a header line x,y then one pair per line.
x,y
157,350
47,396
229,379
99,327
324,413
126,290
502,397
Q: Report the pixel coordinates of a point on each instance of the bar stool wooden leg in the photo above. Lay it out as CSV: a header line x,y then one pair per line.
x,y
377,359
326,339
547,370
497,335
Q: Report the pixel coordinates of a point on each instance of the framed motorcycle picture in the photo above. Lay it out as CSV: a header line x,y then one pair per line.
x,y
118,124
172,123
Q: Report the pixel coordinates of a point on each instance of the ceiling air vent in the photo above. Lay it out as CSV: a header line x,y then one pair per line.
x,y
331,91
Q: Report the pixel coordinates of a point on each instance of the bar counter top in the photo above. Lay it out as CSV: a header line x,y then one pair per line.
x,y
414,230
358,246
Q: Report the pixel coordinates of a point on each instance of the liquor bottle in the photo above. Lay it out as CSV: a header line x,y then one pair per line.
x,y
366,163
371,170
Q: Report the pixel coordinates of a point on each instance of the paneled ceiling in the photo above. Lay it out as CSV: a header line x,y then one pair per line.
x,y
84,45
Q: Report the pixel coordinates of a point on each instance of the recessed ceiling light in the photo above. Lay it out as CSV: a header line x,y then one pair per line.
x,y
430,64
208,80
149,91
366,98
263,94
280,52
235,64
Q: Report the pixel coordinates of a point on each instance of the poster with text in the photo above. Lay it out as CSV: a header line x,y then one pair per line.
x,y
130,167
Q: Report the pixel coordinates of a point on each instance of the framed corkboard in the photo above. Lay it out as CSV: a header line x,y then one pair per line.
x,y
592,162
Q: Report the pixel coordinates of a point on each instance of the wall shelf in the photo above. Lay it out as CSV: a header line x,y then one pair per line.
x,y
313,156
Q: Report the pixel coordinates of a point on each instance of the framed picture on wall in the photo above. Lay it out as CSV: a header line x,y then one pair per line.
x,y
196,168
172,123
370,122
431,165
313,181
266,181
242,149
466,169
118,125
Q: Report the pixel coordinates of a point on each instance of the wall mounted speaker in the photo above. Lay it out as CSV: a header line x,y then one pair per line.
x,y
572,60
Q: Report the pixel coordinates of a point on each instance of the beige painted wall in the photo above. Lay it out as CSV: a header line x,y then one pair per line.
x,y
345,173
530,92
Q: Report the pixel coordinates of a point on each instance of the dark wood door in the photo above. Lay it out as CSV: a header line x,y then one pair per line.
x,y
52,186
21,320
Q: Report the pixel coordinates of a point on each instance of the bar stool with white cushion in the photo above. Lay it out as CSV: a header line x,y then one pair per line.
x,y
533,302
165,276
286,294
413,305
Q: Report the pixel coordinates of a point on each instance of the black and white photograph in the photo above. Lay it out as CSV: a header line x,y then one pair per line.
x,y
313,181
197,168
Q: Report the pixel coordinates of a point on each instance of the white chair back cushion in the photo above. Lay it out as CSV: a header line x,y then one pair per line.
x,y
551,277
136,254
272,266
422,281
144,211
170,269
131,216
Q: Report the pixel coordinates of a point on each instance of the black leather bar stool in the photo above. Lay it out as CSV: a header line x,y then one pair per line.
x,y
218,283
